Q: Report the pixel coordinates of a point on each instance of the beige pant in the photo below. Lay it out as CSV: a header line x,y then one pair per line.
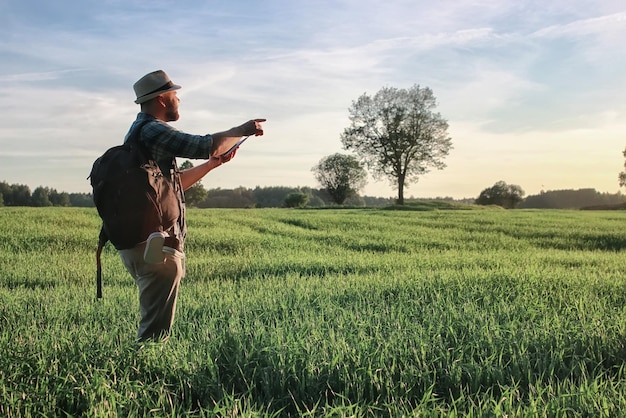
x,y
158,289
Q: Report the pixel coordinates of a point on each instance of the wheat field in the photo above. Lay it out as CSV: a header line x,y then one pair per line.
x,y
335,312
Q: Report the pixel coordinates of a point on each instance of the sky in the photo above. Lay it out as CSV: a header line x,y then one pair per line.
x,y
533,91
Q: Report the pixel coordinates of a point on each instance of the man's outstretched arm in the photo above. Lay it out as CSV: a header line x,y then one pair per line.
x,y
223,141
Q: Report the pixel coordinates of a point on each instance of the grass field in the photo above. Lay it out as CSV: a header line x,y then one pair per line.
x,y
355,312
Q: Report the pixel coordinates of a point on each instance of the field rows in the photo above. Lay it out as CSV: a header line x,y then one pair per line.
x,y
324,312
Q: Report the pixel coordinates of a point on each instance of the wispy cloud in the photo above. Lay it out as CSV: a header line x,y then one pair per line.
x,y
37,76
596,25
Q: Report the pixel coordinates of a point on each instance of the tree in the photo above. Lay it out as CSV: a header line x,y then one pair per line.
x,y
59,199
296,200
15,194
622,176
20,195
341,175
506,195
40,197
196,193
398,135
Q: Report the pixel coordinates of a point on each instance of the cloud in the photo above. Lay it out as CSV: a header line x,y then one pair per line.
x,y
584,27
36,76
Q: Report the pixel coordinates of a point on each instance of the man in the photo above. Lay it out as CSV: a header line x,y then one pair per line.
x,y
158,282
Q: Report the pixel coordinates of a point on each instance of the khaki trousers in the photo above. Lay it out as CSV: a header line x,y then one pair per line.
x,y
158,289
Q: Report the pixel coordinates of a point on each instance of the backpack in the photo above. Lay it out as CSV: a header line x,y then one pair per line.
x,y
132,196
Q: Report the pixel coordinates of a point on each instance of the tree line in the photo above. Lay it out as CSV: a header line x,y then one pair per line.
x,y
501,194
511,196
21,195
573,199
241,197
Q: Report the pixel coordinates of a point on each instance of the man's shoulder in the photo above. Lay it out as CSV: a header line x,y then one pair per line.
x,y
145,118
138,125
151,126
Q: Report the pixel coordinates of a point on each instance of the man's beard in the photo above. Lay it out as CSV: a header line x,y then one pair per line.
x,y
172,115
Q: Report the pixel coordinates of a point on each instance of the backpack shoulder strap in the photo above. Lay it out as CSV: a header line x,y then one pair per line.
x,y
133,140
102,240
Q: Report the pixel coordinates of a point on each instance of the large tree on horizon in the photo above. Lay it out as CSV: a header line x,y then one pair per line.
x,y
398,135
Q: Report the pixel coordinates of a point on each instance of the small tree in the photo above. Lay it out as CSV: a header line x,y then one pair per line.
x,y
296,200
342,176
506,195
398,135
196,193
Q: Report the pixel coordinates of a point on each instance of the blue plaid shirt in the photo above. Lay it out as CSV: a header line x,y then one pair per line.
x,y
166,142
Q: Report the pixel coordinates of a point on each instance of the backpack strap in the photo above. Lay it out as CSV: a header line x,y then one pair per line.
x,y
133,140
102,240
98,273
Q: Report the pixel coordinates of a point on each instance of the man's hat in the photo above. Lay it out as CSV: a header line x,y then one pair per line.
x,y
151,85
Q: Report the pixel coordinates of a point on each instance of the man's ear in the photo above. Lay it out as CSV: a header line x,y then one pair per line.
x,y
161,101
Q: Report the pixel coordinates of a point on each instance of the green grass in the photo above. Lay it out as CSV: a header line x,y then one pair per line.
x,y
434,311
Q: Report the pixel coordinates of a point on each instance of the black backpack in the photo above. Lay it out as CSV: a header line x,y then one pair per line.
x,y
132,196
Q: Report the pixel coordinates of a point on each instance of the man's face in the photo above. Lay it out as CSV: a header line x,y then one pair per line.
x,y
171,100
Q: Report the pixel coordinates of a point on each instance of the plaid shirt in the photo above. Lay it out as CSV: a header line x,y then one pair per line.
x,y
165,142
